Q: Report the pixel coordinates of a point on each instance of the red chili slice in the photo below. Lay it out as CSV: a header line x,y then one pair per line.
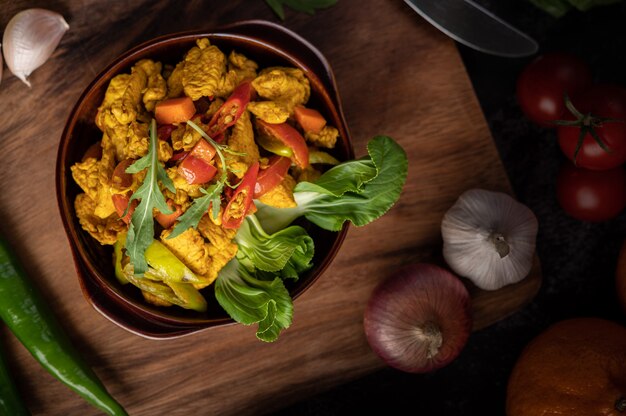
x,y
241,202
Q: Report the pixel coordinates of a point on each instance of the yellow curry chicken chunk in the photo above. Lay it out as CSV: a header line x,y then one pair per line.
x,y
104,230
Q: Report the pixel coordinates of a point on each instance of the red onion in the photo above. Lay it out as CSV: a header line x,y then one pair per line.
x,y
419,319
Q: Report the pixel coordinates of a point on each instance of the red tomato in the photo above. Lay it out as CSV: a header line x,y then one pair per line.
x,y
240,203
120,202
272,175
542,83
167,220
600,101
284,140
120,178
93,151
196,170
591,195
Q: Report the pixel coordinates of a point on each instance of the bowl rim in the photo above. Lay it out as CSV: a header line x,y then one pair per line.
x,y
167,326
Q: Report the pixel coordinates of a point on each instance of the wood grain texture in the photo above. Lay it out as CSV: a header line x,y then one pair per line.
x,y
397,76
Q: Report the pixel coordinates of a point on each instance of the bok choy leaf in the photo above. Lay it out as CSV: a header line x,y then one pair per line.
x,y
250,288
359,191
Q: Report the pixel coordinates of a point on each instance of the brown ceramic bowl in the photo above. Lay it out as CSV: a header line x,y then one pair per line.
x,y
269,45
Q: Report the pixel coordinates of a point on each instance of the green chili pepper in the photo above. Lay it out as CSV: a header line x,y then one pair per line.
x,y
10,401
32,322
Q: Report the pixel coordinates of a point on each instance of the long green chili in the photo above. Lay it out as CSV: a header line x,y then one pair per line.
x,y
33,323
10,400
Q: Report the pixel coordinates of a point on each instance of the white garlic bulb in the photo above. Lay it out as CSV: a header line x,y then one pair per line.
x,y
489,238
30,37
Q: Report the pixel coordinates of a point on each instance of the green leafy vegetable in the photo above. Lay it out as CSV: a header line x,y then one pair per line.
x,y
305,6
141,230
250,300
359,191
288,251
250,288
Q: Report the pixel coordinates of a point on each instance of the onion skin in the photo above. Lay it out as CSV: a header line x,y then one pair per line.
x,y
419,319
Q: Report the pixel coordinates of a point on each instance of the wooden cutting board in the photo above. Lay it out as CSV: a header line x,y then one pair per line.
x,y
397,76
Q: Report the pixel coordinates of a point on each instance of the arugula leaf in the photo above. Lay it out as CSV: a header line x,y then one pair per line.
x,y
194,213
141,230
305,6
249,300
288,251
347,192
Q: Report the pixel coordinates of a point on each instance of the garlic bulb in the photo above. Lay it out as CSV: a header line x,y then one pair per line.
x,y
489,238
30,38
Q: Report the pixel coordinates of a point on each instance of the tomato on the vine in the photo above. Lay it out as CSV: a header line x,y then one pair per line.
x,y
542,83
597,140
591,195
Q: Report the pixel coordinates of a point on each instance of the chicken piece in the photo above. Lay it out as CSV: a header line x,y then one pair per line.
x,y
122,100
222,248
213,231
175,81
288,86
239,69
242,141
214,107
205,65
156,90
281,196
190,248
204,259
185,137
85,174
104,230
325,138
180,198
135,144
244,67
272,112
94,178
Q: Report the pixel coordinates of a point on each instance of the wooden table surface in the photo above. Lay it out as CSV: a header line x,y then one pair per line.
x,y
397,76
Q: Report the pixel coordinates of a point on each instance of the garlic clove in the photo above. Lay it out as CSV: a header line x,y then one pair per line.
x,y
30,37
1,64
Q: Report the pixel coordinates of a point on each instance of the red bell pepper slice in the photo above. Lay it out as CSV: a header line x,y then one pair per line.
x,y
240,203
271,176
280,137
167,220
231,110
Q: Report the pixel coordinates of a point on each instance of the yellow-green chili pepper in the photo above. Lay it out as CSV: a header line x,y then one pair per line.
x,y
167,278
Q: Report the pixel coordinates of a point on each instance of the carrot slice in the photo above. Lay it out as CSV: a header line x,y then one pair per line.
x,y
309,119
174,110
